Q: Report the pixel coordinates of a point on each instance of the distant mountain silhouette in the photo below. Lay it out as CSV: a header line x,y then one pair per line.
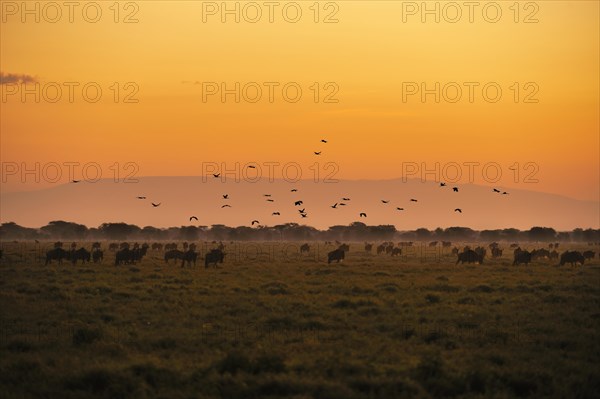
x,y
95,203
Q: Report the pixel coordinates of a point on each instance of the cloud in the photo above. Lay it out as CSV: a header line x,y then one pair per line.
x,y
8,78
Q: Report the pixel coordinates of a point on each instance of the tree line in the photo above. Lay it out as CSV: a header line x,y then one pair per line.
x,y
357,231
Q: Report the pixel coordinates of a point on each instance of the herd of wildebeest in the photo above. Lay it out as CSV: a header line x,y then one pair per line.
x,y
126,253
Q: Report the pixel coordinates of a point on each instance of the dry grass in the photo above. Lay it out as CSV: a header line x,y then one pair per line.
x,y
289,326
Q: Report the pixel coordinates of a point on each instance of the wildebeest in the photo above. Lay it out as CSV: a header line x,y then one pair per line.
x,y
56,254
380,249
554,254
446,244
173,254
157,246
433,243
469,256
521,256
496,252
171,246
589,255
540,254
344,247
304,248
368,247
189,256
336,255
80,254
572,257
113,246
97,256
129,256
455,251
514,245
214,256
58,244
389,249
396,252
481,252
493,245
95,245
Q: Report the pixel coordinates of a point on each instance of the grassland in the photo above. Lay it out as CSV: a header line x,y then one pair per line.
x,y
278,324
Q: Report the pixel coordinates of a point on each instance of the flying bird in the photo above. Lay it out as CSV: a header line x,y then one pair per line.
x,y
216,175
293,190
504,193
255,221
363,215
276,214
225,196
342,204
496,190
225,206
193,217
301,210
267,195
140,197
76,181
323,141
298,203
334,205
442,184
413,200
400,209
455,189
346,199
458,210
271,200
303,215
385,202
155,205
317,152
252,166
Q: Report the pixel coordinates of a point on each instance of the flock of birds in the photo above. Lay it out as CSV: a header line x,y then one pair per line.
x,y
302,212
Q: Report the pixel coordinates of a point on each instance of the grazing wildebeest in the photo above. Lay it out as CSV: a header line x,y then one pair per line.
x,y
396,252
496,252
389,249
336,255
446,244
157,246
589,255
433,243
97,256
113,246
190,257
304,248
540,254
80,254
173,254
214,256
554,254
368,247
481,252
521,257
572,257
56,254
469,256
380,249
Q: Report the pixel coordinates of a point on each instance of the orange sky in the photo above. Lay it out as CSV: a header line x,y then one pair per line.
x,y
368,53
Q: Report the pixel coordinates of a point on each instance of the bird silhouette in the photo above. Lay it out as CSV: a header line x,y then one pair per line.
x,y
298,203
255,221
267,195
455,189
275,213
400,209
140,197
155,205
216,175
293,190
252,166
458,210
193,217
442,184
362,215
413,200
225,206
334,206
496,190
271,200
323,141
225,196
301,210
346,199
504,193
384,201
303,215
76,181
317,152
342,204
